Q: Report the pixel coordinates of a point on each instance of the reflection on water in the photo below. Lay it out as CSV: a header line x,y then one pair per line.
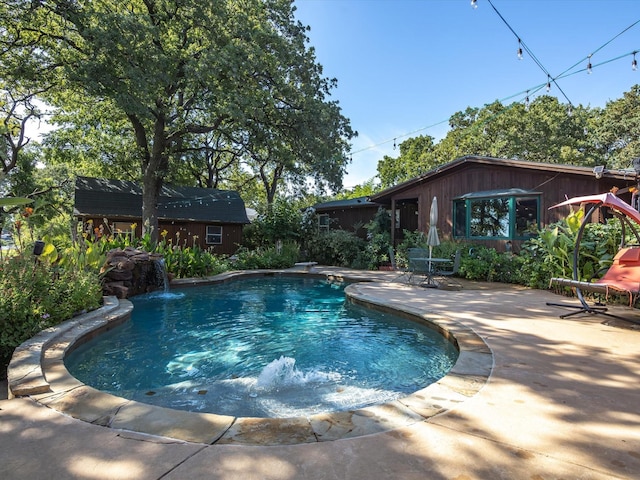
x,y
265,347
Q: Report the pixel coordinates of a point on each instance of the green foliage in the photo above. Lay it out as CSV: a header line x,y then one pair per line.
x,y
551,253
281,221
278,256
416,157
339,248
378,240
181,260
365,189
37,295
486,264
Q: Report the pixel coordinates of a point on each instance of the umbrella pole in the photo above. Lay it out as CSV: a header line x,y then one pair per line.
x,y
430,255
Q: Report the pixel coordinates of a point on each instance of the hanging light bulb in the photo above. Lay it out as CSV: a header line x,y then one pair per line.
x,y
548,82
634,63
526,102
394,143
570,110
474,3
589,65
519,50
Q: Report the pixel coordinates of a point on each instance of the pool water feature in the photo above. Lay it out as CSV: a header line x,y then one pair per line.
x,y
262,347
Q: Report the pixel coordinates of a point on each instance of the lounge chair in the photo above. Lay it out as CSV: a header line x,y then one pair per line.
x,y
623,277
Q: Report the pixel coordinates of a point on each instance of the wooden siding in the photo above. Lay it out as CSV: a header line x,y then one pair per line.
x,y
351,219
555,187
184,233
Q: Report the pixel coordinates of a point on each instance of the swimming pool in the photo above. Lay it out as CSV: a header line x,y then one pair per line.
x,y
262,347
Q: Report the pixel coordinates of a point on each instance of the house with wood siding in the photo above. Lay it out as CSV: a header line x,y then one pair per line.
x,y
494,201
350,214
210,218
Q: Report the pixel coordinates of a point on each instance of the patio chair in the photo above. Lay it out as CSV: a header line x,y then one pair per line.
x,y
455,266
623,277
419,264
394,267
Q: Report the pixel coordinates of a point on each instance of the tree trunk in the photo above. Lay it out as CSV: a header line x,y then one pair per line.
x,y
154,164
150,193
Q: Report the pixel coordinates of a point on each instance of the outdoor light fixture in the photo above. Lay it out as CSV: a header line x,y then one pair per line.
x,y
548,82
589,65
474,3
598,171
519,50
38,247
634,63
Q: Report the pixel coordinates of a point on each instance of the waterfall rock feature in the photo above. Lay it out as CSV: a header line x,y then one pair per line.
x,y
131,272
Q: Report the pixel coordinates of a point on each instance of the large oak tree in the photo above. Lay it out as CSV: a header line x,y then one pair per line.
x,y
180,71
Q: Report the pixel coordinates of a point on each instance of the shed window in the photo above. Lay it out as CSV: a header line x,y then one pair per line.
x,y
323,222
124,229
511,214
214,235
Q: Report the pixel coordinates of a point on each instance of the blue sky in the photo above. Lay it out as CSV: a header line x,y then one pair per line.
x,y
405,66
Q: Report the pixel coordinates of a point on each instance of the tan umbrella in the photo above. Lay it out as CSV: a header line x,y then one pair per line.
x,y
432,236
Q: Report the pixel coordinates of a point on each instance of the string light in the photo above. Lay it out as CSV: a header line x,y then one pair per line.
x,y
519,50
394,143
526,102
474,3
634,63
548,82
589,64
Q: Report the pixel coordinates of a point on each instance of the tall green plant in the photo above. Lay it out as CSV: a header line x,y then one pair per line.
x,y
551,253
37,295
378,239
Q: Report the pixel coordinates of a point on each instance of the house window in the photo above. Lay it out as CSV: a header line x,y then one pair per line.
x,y
512,214
214,235
323,222
126,229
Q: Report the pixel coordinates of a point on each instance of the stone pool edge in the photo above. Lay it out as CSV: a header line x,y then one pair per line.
x,y
37,370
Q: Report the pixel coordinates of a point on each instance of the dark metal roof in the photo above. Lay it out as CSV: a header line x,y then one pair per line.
x,y
99,197
345,203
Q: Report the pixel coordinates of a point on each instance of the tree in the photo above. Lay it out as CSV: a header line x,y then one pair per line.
x,y
543,131
16,109
179,70
416,157
617,133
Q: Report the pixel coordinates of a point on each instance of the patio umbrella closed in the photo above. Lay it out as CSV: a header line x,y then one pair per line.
x,y
432,236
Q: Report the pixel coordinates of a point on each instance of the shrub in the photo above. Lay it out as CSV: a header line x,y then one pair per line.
x,y
487,264
339,248
37,295
281,221
283,256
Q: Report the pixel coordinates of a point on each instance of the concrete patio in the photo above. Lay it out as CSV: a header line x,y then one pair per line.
x,y
562,401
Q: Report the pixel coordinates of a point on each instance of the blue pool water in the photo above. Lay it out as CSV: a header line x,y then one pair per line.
x,y
262,347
